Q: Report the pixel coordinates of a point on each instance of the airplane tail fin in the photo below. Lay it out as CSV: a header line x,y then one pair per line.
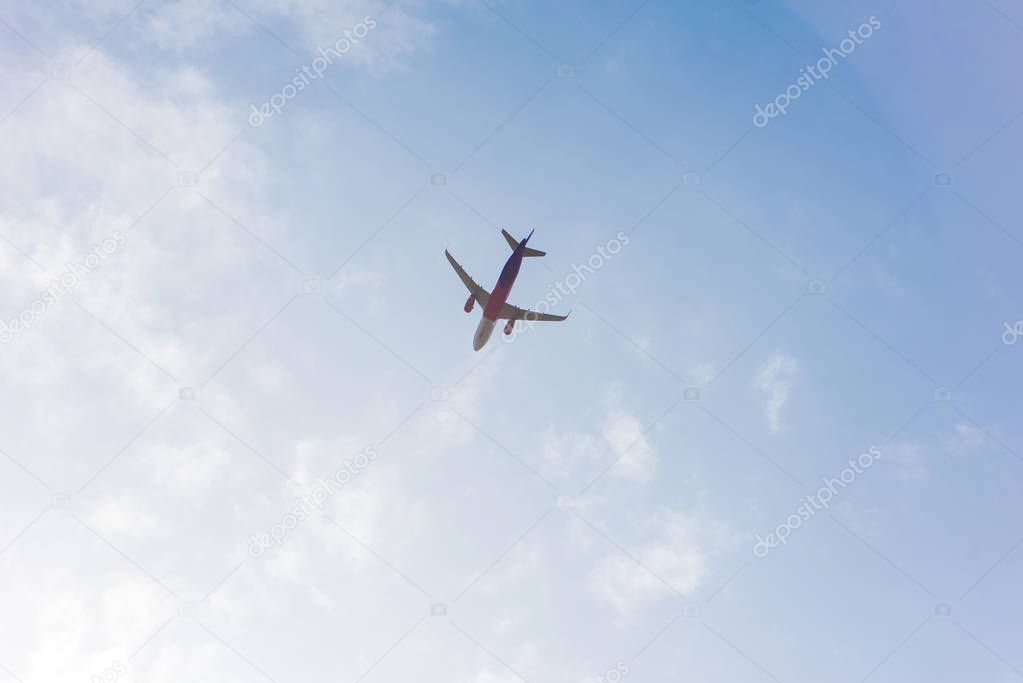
x,y
514,244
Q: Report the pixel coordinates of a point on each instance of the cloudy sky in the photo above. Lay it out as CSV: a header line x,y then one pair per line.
x,y
244,435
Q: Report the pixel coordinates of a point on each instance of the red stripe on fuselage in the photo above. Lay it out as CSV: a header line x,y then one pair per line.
x,y
503,288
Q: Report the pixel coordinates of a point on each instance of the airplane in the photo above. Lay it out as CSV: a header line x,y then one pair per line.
x,y
495,303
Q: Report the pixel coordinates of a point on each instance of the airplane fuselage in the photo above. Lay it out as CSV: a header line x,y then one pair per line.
x,y
498,297
505,281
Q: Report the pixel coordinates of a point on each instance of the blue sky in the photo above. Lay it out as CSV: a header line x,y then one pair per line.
x,y
579,498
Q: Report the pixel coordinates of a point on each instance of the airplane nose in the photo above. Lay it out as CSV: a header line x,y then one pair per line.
x,y
479,340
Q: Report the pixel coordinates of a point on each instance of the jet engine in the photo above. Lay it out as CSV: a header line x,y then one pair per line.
x,y
509,326
469,303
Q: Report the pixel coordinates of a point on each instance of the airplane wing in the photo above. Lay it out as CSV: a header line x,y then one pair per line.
x,y
509,312
481,295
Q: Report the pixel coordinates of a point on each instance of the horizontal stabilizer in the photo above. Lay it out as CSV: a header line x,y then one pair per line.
x,y
514,244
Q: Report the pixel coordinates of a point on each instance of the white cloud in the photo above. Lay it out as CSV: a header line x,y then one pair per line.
x,y
565,452
181,24
624,432
495,675
356,280
775,378
678,555
908,461
121,515
913,460
619,433
399,33
189,470
967,440
71,28
92,177
71,604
